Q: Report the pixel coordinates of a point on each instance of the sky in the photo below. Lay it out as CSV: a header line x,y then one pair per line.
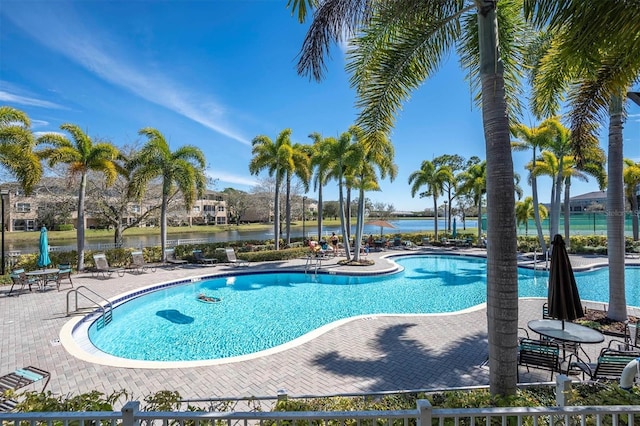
x,y
216,74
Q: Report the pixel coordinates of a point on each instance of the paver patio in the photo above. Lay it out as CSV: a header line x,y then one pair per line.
x,y
378,353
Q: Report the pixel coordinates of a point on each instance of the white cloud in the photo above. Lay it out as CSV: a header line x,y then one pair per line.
x,y
23,100
232,178
91,49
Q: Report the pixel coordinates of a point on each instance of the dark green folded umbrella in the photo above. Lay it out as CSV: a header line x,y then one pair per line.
x,y
564,300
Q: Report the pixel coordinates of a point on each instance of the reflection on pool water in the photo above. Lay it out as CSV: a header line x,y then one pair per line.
x,y
261,311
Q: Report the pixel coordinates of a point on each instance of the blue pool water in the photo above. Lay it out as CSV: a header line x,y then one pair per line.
x,y
261,311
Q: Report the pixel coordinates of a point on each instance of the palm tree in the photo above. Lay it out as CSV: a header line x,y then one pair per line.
x,y
533,138
300,166
631,175
434,179
81,156
378,156
594,52
180,171
276,158
399,45
525,211
17,143
344,158
473,181
319,161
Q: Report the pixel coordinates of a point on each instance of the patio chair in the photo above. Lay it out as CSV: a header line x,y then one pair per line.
x,y
102,267
64,273
232,259
540,354
171,259
198,256
19,277
608,366
138,264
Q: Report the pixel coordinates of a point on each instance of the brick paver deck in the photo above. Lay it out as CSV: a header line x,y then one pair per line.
x,y
378,353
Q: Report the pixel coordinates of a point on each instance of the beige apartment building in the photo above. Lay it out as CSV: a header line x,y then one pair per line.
x,y
53,201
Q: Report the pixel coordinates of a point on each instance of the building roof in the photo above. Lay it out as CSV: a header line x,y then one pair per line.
x,y
595,195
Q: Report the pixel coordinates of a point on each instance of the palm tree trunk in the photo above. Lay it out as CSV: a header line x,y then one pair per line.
x,y
536,204
347,208
435,217
555,212
480,219
634,215
163,223
567,213
319,210
502,271
81,221
276,216
343,222
615,215
287,212
359,226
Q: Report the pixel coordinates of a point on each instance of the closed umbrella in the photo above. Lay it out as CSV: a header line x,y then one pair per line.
x,y
454,233
43,259
564,300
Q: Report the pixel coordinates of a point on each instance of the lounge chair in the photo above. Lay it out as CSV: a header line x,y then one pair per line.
x,y
64,273
102,267
138,264
171,259
232,259
198,256
19,277
18,379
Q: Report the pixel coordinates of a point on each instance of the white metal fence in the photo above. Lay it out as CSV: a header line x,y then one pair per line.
x,y
423,415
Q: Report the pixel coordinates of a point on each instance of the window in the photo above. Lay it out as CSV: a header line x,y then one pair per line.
x,y
196,209
220,208
23,207
135,208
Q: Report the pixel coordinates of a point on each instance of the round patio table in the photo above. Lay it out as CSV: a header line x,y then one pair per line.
x,y
41,275
570,332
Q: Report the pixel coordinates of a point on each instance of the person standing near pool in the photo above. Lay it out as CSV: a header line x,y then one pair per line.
x,y
334,243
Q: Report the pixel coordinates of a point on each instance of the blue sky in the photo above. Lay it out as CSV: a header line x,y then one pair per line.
x,y
216,74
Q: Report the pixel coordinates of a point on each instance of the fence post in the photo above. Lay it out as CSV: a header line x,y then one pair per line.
x,y
424,412
563,387
129,412
282,395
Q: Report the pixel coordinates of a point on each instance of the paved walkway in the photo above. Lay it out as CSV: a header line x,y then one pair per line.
x,y
364,355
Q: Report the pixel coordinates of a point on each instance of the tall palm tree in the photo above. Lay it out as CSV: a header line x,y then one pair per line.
x,y
473,181
81,155
275,157
594,56
525,212
532,138
180,171
433,178
345,157
378,154
319,162
17,143
299,165
631,176
399,45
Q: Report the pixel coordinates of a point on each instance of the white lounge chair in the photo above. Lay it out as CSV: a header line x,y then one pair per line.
x,y
232,259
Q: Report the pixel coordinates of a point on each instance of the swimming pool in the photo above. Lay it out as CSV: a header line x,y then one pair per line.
x,y
258,312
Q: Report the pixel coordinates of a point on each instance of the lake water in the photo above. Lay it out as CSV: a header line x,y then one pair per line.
x,y
401,226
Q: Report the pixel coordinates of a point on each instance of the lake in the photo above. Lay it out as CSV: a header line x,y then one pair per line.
x,y
401,226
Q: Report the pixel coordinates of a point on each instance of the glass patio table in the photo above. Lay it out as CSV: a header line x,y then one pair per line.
x,y
571,335
42,275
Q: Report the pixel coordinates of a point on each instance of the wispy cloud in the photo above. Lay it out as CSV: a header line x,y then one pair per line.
x,y
223,176
91,49
24,100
